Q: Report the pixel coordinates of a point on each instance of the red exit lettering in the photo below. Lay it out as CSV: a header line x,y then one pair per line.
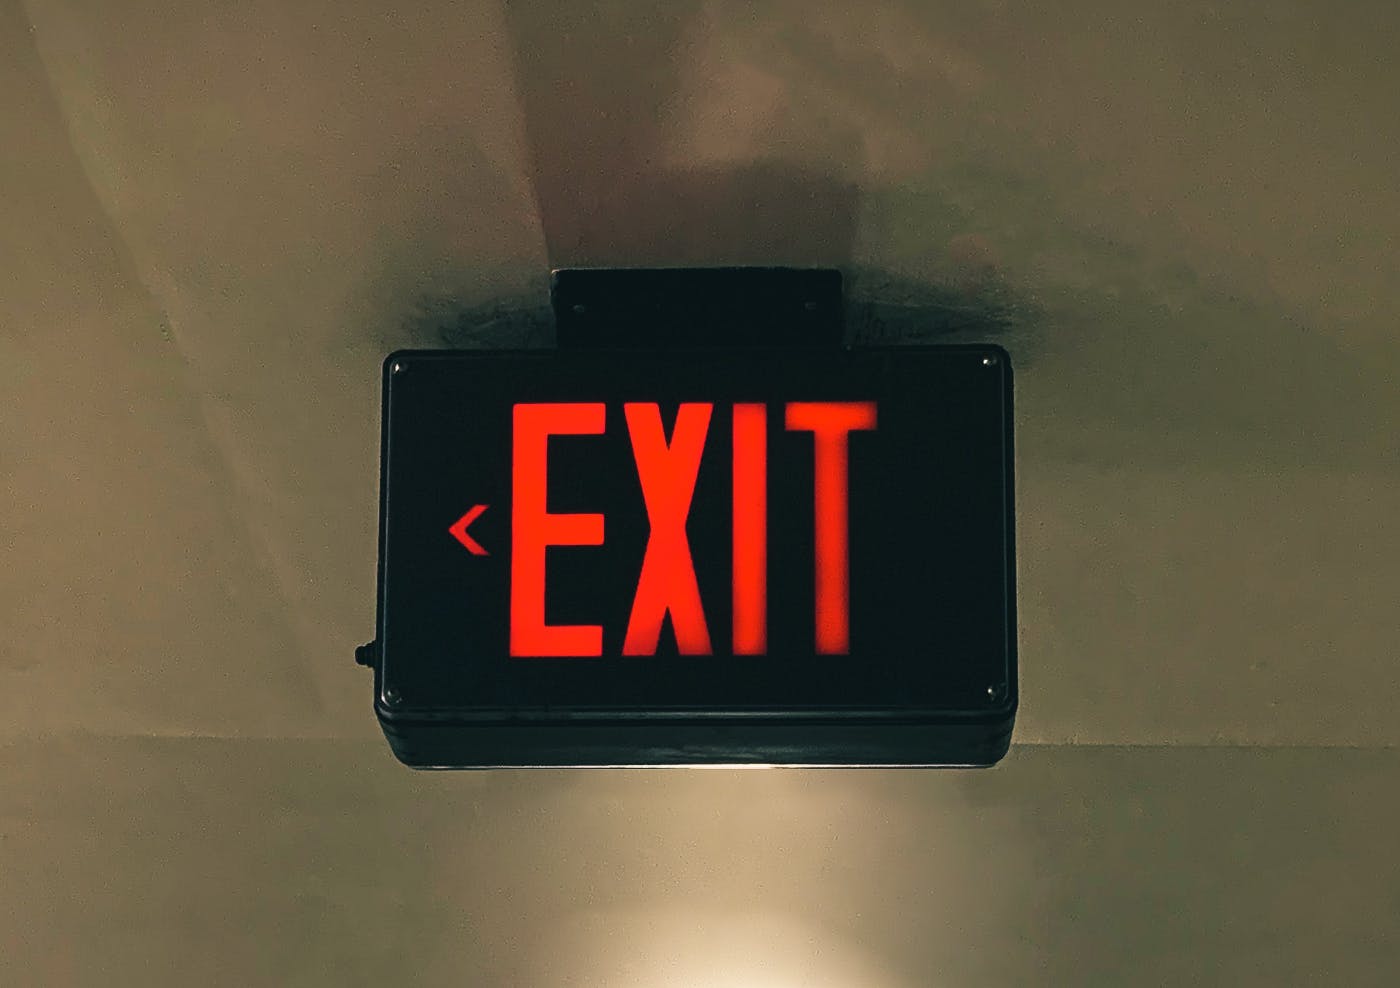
x,y
667,472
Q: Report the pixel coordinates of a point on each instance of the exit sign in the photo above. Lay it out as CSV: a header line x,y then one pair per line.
x,y
633,557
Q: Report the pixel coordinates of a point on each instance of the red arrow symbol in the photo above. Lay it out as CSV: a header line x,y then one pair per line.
x,y
459,530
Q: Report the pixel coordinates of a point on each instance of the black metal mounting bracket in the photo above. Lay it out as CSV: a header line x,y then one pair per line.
x,y
601,308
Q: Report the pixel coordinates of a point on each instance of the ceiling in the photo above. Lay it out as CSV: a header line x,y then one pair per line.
x,y
1182,222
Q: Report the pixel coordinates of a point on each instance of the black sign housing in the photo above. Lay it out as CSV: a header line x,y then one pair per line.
x,y
917,668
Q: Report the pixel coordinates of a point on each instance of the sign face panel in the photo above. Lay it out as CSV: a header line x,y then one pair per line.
x,y
680,541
